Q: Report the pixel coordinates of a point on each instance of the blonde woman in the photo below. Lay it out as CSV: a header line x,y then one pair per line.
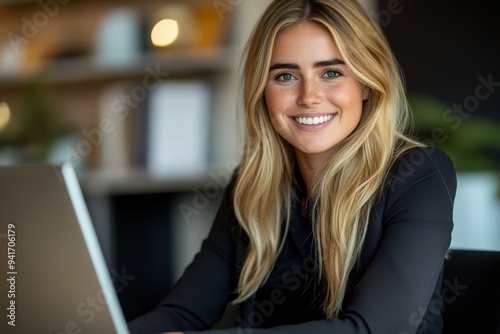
x,y
335,221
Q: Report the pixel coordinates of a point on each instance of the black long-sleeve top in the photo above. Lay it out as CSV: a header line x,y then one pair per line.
x,y
395,287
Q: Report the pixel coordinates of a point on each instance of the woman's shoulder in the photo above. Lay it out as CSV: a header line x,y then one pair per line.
x,y
424,155
419,164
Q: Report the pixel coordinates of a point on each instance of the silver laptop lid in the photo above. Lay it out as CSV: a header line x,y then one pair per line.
x,y
54,277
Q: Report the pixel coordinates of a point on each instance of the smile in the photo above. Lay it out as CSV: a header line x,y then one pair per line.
x,y
313,120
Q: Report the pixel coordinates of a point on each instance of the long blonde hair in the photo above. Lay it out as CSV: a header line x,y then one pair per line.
x,y
350,181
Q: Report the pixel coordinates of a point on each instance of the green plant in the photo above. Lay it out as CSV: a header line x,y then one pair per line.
x,y
472,142
34,127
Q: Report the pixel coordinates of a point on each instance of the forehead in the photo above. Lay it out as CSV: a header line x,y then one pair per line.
x,y
304,42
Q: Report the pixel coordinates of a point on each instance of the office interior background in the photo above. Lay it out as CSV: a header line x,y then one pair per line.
x,y
142,98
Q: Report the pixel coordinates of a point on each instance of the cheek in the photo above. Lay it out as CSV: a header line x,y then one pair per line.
x,y
272,101
347,97
278,100
274,106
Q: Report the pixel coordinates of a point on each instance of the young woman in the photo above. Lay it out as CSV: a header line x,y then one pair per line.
x,y
335,221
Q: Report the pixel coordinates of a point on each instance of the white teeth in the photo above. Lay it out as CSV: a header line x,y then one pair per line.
x,y
313,120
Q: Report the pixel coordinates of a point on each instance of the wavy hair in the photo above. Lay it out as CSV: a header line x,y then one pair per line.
x,y
343,194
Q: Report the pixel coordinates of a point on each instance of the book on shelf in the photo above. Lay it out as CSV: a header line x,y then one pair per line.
x,y
178,129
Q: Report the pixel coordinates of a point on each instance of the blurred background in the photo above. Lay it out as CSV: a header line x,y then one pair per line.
x,y
142,98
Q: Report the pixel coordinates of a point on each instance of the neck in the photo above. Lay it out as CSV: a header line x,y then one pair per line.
x,y
310,166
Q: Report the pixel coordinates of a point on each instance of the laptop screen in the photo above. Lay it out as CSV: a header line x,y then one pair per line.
x,y
57,278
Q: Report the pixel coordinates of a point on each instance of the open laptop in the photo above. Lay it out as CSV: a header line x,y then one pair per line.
x,y
54,278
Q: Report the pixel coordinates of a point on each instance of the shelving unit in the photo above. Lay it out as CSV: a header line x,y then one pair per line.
x,y
136,214
81,70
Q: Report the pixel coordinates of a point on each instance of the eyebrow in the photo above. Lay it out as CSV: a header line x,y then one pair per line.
x,y
291,66
332,62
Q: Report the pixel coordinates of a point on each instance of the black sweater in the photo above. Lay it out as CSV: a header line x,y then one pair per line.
x,y
394,288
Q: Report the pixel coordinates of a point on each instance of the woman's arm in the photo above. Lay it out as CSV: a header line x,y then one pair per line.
x,y
397,286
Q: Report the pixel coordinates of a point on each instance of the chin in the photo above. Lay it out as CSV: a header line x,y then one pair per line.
x,y
314,150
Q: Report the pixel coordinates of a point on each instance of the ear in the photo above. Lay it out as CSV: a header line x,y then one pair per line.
x,y
366,92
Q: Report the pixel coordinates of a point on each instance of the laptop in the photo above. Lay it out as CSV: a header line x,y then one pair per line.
x,y
54,279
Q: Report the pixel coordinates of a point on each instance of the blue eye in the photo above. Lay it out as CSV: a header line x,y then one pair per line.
x,y
331,74
284,77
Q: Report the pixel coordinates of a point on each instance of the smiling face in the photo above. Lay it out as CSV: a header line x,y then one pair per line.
x,y
313,100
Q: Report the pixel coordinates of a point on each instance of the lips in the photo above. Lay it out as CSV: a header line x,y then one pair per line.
x,y
313,120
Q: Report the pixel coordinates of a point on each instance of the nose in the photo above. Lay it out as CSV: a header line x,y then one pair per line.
x,y
310,93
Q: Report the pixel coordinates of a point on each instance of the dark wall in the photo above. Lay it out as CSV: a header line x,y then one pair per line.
x,y
444,46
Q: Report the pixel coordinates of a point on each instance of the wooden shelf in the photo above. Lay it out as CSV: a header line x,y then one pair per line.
x,y
87,70
137,181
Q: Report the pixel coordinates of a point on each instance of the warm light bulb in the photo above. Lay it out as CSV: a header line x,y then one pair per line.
x,y
4,114
165,32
